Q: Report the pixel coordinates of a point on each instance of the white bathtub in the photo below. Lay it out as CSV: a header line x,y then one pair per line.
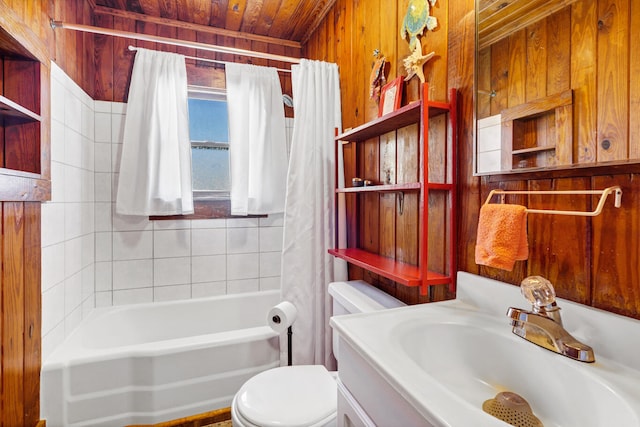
x,y
148,363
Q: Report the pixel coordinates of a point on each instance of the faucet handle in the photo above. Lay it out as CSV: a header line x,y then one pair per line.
x,y
538,291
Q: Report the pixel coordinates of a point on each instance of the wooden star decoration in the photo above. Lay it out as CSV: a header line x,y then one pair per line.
x,y
414,63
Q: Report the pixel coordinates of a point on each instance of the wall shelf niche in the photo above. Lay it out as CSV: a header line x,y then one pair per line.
x,y
409,274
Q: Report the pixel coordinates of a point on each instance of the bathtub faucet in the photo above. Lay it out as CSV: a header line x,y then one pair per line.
x,y
542,325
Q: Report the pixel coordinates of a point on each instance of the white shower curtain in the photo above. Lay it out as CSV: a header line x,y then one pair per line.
x,y
257,140
155,167
309,227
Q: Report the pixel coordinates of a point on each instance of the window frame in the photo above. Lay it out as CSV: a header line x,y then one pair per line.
x,y
209,94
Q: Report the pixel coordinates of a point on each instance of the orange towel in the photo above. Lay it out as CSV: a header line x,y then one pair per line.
x,y
502,235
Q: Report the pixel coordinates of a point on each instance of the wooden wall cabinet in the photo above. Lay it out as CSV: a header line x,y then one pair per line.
x,y
24,169
408,274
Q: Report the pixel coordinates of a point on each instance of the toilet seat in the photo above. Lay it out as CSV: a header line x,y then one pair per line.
x,y
292,396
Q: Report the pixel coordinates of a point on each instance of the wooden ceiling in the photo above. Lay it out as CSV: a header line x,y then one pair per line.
x,y
291,20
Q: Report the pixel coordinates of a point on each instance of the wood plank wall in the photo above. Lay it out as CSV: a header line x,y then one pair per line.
x,y
348,36
591,261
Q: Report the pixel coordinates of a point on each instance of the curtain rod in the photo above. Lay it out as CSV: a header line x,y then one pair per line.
x,y
134,48
173,42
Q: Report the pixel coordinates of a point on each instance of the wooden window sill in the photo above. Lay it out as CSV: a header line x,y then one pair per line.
x,y
207,209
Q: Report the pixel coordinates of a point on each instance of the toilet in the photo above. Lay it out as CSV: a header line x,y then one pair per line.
x,y
304,395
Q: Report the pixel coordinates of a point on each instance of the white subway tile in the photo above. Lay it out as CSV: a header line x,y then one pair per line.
x,y
270,263
273,220
130,222
132,296
72,256
132,274
72,220
244,285
171,271
102,127
104,276
242,266
57,141
51,340
57,181
103,187
72,292
103,216
242,222
88,217
104,246
88,246
208,268
172,224
171,293
270,239
52,223
88,154
72,320
52,266
102,106
242,240
209,223
119,107
129,245
88,186
208,241
72,184
57,101
117,127
73,148
208,289
102,157
52,307
88,282
104,299
269,283
171,243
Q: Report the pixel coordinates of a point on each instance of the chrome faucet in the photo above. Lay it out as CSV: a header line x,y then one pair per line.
x,y
543,324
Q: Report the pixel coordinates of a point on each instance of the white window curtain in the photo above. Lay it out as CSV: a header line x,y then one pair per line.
x,y
257,140
155,167
309,220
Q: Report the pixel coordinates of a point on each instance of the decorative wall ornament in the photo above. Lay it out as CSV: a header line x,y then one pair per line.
x,y
377,78
414,63
418,18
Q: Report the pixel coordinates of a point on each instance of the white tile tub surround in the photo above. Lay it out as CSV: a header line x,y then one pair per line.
x,y
93,257
68,228
172,259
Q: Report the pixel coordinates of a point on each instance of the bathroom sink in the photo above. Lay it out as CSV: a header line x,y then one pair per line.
x,y
445,359
475,359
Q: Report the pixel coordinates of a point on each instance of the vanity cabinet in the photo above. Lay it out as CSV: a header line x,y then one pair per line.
x,y
437,188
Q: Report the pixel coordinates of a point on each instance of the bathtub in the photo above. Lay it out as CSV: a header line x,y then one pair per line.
x,y
148,363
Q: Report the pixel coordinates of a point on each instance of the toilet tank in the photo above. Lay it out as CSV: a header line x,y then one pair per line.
x,y
358,296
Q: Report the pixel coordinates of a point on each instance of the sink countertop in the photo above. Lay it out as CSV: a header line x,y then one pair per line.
x,y
395,342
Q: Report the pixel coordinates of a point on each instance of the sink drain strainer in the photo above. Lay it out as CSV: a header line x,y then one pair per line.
x,y
512,409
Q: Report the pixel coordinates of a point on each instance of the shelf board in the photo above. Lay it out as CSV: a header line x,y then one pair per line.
x,y
386,188
407,274
401,117
533,150
12,113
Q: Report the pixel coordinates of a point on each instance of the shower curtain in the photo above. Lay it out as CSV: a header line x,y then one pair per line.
x,y
309,227
155,168
257,140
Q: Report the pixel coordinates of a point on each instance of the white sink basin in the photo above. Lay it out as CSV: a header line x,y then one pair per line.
x,y
446,359
475,362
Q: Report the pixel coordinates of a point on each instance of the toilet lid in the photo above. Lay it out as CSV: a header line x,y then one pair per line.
x,y
292,396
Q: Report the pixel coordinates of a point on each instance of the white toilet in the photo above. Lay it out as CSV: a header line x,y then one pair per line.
x,y
304,395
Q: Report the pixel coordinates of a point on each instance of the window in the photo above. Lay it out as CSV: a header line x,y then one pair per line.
x,y
208,129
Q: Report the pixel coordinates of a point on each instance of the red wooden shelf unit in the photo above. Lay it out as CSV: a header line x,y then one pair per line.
x,y
400,272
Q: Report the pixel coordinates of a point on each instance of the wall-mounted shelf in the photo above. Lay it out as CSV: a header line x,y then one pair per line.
x,y
12,113
384,188
407,274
